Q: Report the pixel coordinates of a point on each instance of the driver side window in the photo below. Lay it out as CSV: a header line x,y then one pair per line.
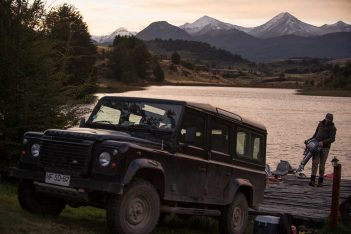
x,y
193,121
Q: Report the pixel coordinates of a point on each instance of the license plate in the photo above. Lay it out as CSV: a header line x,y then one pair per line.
x,y
59,179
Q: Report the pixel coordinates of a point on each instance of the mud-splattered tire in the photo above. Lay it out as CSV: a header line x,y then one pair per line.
x,y
137,211
38,203
233,219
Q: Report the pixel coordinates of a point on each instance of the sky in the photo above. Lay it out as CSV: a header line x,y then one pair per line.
x,y
105,16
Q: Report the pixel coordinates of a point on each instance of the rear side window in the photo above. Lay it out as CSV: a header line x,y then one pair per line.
x,y
242,139
248,145
220,137
193,121
256,148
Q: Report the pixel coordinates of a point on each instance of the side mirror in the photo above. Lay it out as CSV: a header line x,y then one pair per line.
x,y
82,122
190,135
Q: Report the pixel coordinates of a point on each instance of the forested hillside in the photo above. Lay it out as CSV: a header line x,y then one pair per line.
x,y
194,51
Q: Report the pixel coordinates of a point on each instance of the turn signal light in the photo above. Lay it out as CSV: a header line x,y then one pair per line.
x,y
113,165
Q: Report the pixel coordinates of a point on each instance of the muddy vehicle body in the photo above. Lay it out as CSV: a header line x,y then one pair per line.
x,y
142,158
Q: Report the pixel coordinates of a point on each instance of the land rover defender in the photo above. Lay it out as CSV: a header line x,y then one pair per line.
x,y
141,158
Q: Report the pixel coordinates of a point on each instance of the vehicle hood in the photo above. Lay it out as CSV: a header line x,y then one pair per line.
x,y
97,135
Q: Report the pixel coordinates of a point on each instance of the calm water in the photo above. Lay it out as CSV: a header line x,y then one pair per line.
x,y
289,118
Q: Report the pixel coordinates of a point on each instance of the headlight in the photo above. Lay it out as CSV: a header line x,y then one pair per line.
x,y
35,150
104,159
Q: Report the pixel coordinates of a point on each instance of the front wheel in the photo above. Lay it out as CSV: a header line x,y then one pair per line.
x,y
137,211
38,203
233,219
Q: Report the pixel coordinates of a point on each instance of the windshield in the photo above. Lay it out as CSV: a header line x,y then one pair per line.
x,y
132,114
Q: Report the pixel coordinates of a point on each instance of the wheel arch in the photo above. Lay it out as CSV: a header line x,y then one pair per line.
x,y
149,170
241,185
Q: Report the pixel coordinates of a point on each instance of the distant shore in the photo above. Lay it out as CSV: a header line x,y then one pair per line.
x,y
108,86
322,92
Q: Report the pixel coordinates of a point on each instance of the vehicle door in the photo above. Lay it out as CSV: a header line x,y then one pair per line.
x,y
219,169
192,157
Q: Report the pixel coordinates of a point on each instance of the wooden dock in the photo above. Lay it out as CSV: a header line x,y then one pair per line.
x,y
294,196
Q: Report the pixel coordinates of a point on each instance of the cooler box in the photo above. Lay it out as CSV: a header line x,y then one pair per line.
x,y
265,224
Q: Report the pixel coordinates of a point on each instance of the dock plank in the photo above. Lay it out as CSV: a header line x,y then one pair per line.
x,y
294,196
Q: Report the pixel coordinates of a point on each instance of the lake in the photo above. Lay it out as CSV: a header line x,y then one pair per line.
x,y
289,118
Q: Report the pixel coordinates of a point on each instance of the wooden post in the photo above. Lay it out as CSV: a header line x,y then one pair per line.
x,y
334,211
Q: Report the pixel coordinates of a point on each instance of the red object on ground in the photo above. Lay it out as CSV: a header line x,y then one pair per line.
x,y
329,176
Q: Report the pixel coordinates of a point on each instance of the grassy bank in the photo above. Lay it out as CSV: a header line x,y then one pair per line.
x,y
111,86
322,92
81,220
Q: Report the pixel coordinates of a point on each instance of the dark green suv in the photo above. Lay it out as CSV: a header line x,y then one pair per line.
x,y
141,158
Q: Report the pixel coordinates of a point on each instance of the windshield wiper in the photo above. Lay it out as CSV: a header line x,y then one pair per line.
x,y
106,121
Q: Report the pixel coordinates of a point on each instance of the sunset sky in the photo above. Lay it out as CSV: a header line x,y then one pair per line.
x,y
104,16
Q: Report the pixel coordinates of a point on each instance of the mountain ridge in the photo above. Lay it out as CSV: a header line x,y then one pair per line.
x,y
281,24
211,23
162,30
285,24
283,37
108,39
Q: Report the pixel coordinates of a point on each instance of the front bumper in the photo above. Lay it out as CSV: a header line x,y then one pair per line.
x,y
76,182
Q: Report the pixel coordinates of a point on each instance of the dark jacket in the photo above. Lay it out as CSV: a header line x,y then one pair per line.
x,y
325,133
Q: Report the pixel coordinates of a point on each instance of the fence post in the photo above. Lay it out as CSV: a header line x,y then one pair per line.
x,y
334,210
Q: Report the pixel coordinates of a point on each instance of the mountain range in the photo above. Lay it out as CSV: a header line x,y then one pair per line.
x,y
282,37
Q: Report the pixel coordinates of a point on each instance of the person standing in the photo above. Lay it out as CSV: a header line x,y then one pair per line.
x,y
325,134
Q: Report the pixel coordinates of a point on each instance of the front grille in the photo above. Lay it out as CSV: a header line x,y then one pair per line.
x,y
66,157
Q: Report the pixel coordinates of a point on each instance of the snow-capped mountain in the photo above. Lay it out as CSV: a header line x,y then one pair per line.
x,y
285,24
206,24
281,25
337,27
108,39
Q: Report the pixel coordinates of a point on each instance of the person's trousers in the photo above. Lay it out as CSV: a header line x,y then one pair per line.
x,y
320,159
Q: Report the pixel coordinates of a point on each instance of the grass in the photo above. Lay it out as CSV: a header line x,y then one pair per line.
x,y
112,86
325,92
81,220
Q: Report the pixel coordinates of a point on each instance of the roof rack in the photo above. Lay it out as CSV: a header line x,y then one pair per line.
x,y
226,113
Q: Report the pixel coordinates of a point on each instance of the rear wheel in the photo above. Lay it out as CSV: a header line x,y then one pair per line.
x,y
38,203
137,211
233,219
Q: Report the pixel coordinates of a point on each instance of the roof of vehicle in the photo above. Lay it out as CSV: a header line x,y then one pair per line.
x,y
199,106
225,113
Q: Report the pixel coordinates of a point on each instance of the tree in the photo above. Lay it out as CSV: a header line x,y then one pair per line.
x,y
129,60
158,73
32,90
175,58
76,53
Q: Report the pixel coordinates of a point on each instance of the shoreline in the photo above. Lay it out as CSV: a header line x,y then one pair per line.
x,y
119,87
325,92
